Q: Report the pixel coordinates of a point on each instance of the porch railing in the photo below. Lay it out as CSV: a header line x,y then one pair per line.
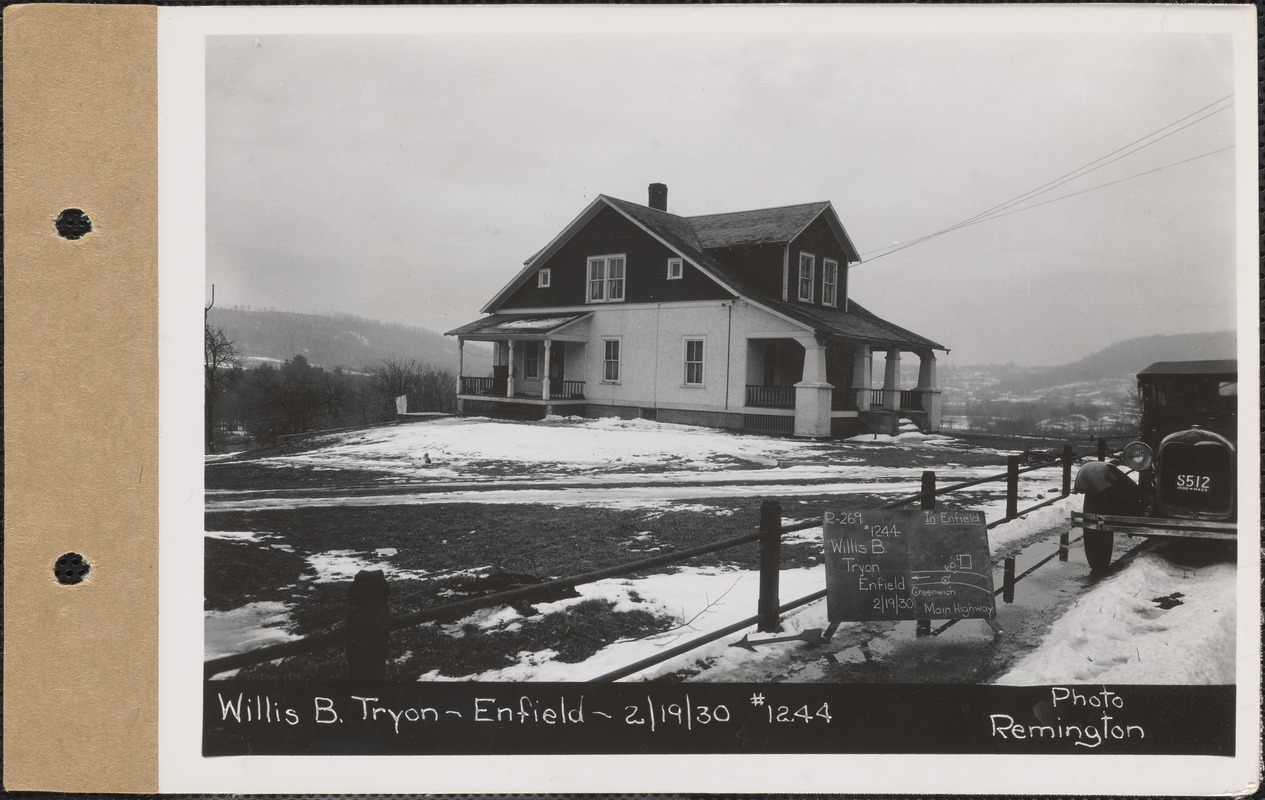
x,y
850,399
477,386
770,396
843,399
566,390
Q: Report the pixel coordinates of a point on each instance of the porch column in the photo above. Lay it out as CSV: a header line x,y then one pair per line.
x,y
509,373
891,381
862,369
461,363
928,390
812,394
544,392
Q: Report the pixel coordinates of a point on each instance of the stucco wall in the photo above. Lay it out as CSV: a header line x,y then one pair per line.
x,y
652,355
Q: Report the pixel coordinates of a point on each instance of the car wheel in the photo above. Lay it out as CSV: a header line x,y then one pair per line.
x,y
1098,543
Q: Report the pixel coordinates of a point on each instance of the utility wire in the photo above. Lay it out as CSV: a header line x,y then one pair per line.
x,y
1109,183
1092,166
1095,165
992,217
1078,173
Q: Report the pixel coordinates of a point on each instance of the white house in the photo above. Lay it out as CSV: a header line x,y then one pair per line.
x,y
738,320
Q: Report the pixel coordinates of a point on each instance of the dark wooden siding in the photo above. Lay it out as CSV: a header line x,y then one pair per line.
x,y
819,239
646,269
758,265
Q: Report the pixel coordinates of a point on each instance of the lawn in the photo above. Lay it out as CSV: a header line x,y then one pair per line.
x,y
290,566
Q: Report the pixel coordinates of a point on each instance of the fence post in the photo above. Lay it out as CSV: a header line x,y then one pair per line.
x,y
1068,457
770,565
367,636
922,627
1008,581
1012,487
1102,449
928,490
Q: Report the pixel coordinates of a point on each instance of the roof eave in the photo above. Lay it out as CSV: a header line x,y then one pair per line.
x,y
544,253
692,261
840,231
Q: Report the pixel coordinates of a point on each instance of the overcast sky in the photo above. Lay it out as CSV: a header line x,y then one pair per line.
x,y
406,178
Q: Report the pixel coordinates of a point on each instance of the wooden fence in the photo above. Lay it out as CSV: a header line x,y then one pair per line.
x,y
369,624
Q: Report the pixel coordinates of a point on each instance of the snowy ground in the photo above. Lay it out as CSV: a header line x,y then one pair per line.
x,y
469,449
1113,633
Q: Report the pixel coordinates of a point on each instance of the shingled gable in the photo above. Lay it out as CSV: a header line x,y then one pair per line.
x,y
673,231
691,237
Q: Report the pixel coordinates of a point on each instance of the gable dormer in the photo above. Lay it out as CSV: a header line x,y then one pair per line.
x,y
798,254
819,265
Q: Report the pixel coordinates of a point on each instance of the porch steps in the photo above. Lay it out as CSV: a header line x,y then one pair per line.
x,y
890,422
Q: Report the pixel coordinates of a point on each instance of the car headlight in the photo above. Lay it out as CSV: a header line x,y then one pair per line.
x,y
1137,456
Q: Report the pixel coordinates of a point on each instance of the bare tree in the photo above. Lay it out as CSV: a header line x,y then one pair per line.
x,y
220,356
394,378
436,390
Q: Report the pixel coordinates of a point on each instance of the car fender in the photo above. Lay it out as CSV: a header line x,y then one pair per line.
x,y
1098,476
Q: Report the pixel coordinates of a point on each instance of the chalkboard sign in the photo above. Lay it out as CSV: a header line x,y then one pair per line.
x,y
907,565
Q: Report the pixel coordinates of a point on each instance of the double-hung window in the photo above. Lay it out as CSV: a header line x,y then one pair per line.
x,y
531,360
693,362
610,360
829,282
807,266
606,279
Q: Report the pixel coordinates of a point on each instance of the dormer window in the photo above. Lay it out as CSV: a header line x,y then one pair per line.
x,y
807,266
543,279
676,268
829,282
606,279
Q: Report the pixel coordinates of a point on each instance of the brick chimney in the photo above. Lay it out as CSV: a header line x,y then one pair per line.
x,y
659,196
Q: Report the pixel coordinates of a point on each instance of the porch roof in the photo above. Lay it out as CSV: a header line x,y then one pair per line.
x,y
857,324
518,326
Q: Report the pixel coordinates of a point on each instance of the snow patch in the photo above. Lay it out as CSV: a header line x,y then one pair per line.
x,y
1119,632
249,627
335,566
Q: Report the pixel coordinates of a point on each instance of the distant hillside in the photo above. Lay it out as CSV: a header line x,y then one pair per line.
x,y
334,341
1125,359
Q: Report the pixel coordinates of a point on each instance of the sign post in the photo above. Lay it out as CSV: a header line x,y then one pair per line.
x,y
898,565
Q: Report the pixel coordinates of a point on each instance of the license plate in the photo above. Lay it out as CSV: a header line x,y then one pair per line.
x,y
1194,483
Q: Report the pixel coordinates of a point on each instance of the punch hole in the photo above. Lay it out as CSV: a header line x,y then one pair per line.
x,y
71,568
73,224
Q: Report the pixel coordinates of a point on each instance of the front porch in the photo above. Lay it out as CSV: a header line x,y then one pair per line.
x,y
809,387
538,367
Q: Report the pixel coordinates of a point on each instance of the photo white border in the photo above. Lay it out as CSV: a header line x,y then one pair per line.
x,y
182,291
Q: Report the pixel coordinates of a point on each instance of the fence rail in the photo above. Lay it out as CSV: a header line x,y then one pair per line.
x,y
370,623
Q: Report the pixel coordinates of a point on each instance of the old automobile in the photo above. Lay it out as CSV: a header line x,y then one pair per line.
x,y
1179,478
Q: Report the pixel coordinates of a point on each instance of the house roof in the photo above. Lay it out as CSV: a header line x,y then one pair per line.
x,y
511,326
1224,368
856,324
765,226
676,233
692,237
